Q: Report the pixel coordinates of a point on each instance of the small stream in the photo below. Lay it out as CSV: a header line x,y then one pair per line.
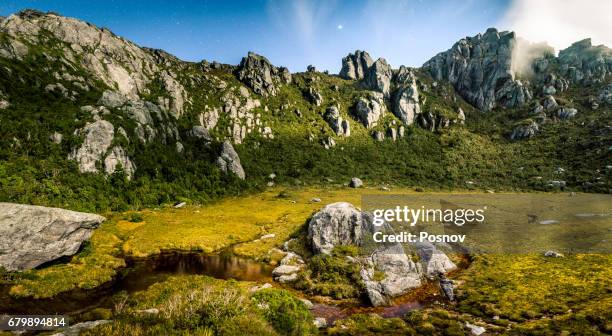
x,y
141,273
137,276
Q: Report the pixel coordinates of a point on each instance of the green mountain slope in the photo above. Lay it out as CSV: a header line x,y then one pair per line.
x,y
90,121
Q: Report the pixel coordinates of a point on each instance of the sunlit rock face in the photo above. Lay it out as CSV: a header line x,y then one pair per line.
x,y
355,66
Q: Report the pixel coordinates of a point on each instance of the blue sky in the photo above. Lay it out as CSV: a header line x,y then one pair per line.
x,y
292,33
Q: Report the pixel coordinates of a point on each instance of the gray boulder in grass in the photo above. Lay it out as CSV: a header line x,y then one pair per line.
x,y
33,235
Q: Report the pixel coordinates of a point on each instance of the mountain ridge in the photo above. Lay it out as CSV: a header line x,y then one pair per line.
x,y
98,100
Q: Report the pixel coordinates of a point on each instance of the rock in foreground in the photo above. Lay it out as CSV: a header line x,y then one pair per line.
x,y
386,270
32,235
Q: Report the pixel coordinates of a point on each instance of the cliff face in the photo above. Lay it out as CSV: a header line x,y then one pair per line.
x,y
480,69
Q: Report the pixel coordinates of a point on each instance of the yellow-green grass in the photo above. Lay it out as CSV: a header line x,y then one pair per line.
x,y
207,228
237,222
200,305
537,292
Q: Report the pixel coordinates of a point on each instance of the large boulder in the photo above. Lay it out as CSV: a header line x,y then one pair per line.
x,y
336,122
336,224
370,109
33,235
261,76
386,270
354,66
525,130
228,160
387,273
480,69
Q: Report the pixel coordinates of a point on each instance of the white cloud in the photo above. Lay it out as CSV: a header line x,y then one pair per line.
x,y
561,22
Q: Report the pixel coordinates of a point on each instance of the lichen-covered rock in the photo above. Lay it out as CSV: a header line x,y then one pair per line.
x,y
406,98
354,66
336,224
261,76
336,122
566,112
32,235
228,161
605,95
378,77
369,110
480,69
98,137
355,182
314,96
525,130
583,63
118,157
550,103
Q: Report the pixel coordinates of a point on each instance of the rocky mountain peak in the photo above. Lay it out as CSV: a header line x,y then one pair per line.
x,y
260,75
354,66
113,60
584,63
480,69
